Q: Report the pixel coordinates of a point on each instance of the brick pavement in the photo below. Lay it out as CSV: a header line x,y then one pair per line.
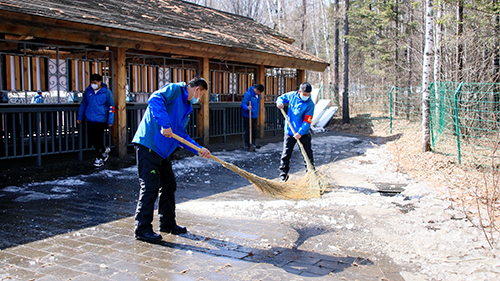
x,y
235,233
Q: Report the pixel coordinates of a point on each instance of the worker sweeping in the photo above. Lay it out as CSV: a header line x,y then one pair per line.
x,y
166,116
250,106
300,113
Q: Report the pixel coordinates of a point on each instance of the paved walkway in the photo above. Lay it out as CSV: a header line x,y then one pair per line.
x,y
81,228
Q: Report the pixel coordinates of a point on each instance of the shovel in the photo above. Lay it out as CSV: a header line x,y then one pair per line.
x,y
250,147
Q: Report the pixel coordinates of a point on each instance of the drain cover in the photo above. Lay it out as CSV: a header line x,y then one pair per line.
x,y
389,188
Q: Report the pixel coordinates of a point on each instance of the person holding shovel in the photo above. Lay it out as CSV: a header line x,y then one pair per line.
x,y
300,113
166,115
250,106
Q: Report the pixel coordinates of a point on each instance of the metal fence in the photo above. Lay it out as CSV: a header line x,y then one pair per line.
x,y
36,130
465,117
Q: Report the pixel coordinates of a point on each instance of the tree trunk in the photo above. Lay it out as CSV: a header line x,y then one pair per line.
x,y
426,144
326,35
460,47
345,94
336,48
303,26
496,50
437,60
410,46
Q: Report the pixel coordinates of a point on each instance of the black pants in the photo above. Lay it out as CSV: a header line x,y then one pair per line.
x,y
288,144
255,131
156,179
95,134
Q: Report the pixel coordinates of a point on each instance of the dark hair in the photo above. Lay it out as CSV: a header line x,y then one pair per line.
x,y
198,81
95,77
305,87
259,87
39,91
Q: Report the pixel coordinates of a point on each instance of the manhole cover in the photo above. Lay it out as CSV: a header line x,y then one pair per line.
x,y
389,188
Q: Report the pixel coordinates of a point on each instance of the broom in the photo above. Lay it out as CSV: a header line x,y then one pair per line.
x,y
316,180
290,190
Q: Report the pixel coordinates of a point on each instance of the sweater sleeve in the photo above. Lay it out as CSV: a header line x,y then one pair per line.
x,y
111,107
306,122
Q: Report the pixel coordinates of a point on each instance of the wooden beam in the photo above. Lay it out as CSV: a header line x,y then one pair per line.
x,y
119,130
261,79
28,25
204,116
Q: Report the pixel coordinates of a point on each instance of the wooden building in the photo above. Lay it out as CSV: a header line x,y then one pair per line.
x,y
138,46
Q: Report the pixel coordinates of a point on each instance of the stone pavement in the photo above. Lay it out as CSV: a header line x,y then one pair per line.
x,y
81,228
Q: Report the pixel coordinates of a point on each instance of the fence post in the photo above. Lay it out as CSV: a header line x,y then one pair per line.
x,y
38,140
457,126
80,141
390,108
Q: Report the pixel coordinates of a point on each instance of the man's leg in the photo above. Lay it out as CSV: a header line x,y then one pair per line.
x,y
306,143
148,164
255,130
246,126
96,137
288,144
166,203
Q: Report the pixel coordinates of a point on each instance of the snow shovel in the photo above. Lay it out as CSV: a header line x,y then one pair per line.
x,y
250,147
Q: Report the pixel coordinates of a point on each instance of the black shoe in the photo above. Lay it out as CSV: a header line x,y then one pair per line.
x,y
176,230
150,237
257,146
284,178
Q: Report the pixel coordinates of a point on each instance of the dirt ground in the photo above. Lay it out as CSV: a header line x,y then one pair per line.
x,y
475,191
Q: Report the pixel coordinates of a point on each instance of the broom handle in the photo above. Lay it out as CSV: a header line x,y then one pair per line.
x,y
250,122
308,161
197,148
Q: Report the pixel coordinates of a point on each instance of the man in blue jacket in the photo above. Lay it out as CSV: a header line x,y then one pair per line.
x,y
98,107
300,113
167,113
252,97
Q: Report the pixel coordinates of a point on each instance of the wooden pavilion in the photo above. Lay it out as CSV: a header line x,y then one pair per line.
x,y
138,46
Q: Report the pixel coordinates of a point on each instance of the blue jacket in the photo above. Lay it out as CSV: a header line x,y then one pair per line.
x,y
300,112
37,99
255,99
97,107
168,108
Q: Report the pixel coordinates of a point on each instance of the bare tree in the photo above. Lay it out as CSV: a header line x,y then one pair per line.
x,y
336,49
460,29
426,143
345,94
496,47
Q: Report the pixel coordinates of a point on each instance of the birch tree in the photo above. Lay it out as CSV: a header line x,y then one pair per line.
x,y
426,143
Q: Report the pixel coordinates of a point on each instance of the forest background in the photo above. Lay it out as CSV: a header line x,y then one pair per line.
x,y
386,39
430,71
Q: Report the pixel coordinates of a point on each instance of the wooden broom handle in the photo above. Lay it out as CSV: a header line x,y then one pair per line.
x,y
308,161
196,148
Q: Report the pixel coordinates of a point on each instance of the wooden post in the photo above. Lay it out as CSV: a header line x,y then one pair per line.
x,y
261,79
204,115
119,129
301,77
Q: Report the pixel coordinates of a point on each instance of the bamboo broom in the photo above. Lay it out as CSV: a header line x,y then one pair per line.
x,y
288,190
314,177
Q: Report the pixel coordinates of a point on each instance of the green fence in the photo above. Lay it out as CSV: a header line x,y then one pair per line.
x,y
465,117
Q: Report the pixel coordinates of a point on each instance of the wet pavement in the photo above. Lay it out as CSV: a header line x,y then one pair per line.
x,y
81,228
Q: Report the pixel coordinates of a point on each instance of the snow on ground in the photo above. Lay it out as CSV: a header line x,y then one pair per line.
x,y
418,228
